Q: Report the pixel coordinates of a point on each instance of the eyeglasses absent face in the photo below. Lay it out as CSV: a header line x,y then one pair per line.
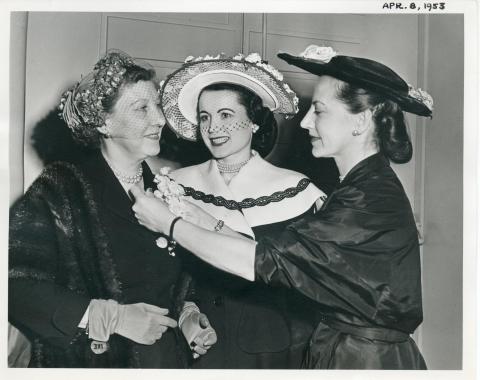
x,y
224,124
136,120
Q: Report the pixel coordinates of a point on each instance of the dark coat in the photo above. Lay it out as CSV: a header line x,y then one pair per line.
x,y
73,237
258,327
358,258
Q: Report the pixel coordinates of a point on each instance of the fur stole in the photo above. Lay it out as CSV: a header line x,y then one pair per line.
x,y
56,236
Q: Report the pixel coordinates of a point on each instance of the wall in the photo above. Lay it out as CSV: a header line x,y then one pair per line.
x,y
18,48
362,35
59,46
443,191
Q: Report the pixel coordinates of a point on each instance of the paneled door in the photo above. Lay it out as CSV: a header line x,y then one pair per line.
x,y
166,39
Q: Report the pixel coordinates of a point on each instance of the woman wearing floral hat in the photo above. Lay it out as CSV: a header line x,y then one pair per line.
x,y
87,284
358,256
229,103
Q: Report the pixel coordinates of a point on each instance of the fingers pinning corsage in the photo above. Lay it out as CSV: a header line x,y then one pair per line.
x,y
170,192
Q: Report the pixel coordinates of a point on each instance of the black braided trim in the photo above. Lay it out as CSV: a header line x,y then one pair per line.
x,y
247,202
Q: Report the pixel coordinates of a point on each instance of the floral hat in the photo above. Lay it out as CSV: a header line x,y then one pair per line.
x,y
365,73
83,104
180,90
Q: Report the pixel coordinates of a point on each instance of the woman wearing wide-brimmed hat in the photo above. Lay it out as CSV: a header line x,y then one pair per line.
x,y
358,256
229,103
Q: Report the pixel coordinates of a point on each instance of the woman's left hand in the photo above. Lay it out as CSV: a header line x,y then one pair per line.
x,y
151,212
196,215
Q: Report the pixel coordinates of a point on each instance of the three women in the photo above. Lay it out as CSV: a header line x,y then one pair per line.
x,y
357,257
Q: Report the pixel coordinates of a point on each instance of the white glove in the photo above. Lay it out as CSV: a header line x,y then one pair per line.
x,y
196,329
140,322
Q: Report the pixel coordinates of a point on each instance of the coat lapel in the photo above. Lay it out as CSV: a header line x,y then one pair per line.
x,y
256,179
112,193
206,177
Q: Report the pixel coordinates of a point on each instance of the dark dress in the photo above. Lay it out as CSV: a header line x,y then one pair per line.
x,y
73,237
257,326
358,258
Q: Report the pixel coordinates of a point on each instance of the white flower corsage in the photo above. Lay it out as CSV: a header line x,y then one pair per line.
x,y
170,192
319,53
422,96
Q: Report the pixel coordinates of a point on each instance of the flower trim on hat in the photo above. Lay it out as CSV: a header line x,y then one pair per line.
x,y
82,104
254,59
252,63
318,53
421,95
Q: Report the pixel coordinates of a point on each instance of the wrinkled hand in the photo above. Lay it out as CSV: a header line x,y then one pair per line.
x,y
151,212
143,323
198,332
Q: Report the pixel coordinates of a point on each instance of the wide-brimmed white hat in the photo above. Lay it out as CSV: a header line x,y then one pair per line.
x,y
180,90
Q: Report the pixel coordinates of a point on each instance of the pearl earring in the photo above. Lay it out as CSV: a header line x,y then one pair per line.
x,y
355,133
255,128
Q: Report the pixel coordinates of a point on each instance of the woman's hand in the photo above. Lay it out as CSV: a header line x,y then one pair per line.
x,y
205,338
140,322
154,214
196,215
143,323
151,212
196,329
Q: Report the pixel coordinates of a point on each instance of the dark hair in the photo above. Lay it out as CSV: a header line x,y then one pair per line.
x,y
264,139
89,135
391,133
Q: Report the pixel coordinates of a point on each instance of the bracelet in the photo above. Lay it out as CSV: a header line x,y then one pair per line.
x,y
171,241
218,227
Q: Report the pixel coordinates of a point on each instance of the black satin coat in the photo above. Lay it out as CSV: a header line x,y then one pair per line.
x,y
258,327
358,258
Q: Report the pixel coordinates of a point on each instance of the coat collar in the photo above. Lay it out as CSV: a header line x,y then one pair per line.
x,y
112,194
256,179
365,167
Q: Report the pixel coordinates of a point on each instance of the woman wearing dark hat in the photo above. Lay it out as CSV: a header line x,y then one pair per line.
x,y
87,284
358,256
229,102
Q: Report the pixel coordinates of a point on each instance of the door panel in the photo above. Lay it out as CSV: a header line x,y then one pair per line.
x,y
168,38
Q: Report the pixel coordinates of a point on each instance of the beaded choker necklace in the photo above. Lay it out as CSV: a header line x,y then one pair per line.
x,y
232,168
122,177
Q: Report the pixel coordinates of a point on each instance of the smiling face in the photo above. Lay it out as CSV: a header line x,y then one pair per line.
x,y
136,121
224,125
328,121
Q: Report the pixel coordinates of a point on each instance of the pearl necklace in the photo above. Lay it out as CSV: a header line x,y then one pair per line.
x,y
131,179
232,168
122,177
